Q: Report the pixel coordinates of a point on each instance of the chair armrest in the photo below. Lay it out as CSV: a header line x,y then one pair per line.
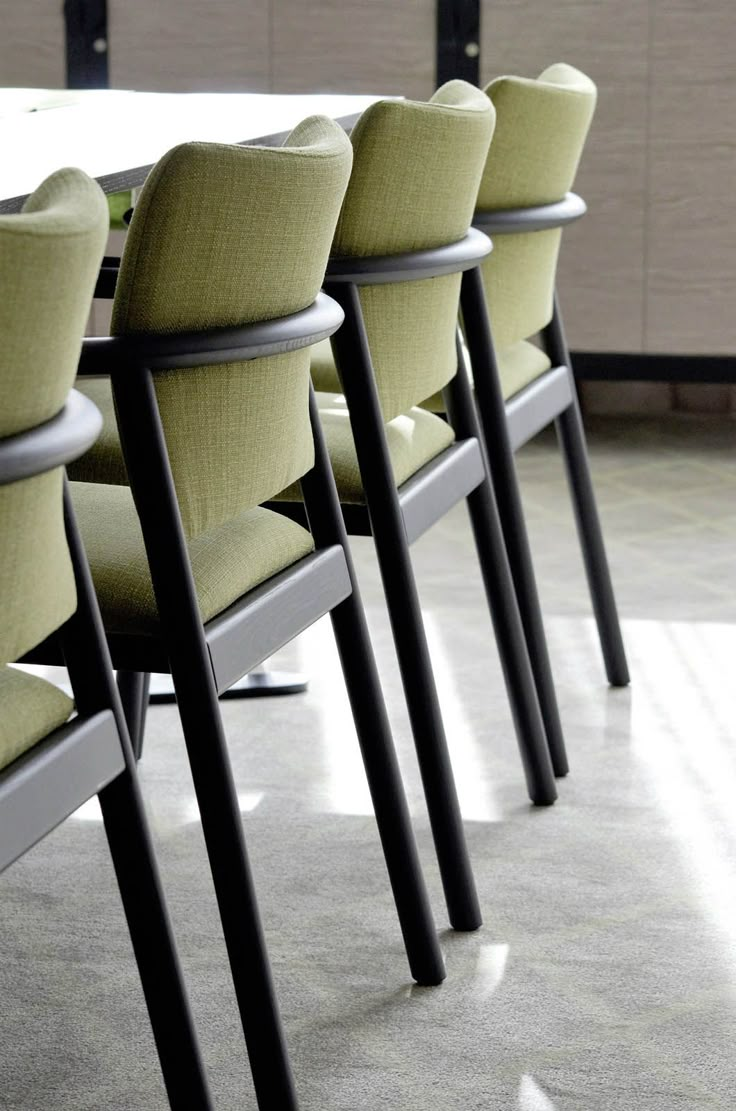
x,y
541,217
104,355
410,266
52,444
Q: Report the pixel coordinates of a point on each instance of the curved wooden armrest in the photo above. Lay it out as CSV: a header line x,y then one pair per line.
x,y
541,217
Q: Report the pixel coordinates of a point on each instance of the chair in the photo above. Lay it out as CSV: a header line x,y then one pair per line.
x,y
51,762
401,247
520,387
217,302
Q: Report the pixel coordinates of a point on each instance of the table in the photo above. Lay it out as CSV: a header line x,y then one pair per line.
x,y
116,136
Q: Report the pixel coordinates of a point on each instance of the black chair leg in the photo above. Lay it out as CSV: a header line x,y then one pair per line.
x,y
199,710
133,687
222,827
571,436
502,471
374,732
351,349
502,603
90,671
150,932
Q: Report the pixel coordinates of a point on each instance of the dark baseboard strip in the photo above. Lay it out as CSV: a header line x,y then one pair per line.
x,y
615,366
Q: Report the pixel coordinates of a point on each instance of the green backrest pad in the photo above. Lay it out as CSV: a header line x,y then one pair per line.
x,y
417,167
541,128
223,236
50,255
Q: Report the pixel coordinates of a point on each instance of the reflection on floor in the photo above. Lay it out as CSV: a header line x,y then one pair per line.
x,y
604,978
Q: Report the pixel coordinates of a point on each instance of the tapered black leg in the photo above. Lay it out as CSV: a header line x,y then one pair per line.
x,y
351,350
374,732
502,471
90,671
191,669
571,436
499,586
133,687
222,827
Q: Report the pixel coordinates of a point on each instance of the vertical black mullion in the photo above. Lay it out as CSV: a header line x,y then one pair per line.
x,y
458,40
86,44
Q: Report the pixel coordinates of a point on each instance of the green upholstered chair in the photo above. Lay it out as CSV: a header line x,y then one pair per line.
x,y
216,304
56,753
401,246
522,386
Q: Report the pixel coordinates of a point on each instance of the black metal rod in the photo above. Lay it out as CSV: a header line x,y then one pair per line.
x,y
133,687
571,435
372,725
155,498
492,414
350,347
502,602
90,671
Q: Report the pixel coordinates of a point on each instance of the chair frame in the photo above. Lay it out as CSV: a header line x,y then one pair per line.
x,y
205,658
507,425
91,755
397,517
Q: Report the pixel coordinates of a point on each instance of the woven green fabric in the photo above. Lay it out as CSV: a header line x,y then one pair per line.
x,y
223,236
541,128
104,462
30,709
118,204
227,561
518,366
417,167
413,439
49,259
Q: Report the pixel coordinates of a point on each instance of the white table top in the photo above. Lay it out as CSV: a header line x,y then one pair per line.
x,y
117,136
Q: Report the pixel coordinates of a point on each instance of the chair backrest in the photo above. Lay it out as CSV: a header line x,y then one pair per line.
x,y
541,126
415,180
50,255
224,236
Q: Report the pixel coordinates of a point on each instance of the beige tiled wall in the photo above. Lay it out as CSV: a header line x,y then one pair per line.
x,y
652,268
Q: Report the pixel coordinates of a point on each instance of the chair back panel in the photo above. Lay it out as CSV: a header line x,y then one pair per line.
x,y
417,167
224,236
50,255
541,127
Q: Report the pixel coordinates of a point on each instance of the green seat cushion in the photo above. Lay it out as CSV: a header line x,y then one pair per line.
x,y
104,461
518,366
413,439
30,709
227,561
118,204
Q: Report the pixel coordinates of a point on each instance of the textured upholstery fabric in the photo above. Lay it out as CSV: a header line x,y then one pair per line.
x,y
227,562
417,167
30,709
541,128
118,204
518,366
104,462
413,439
49,259
223,236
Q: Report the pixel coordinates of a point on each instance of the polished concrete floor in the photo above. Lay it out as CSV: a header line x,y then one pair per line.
x,y
604,977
